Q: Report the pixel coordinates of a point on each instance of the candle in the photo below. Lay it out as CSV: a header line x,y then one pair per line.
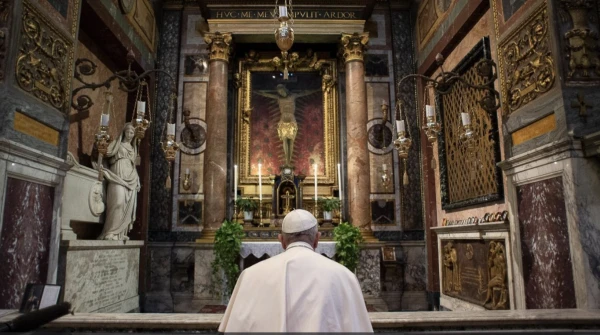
x,y
141,107
170,129
108,101
187,171
429,110
340,181
384,167
259,182
466,119
315,169
282,11
400,126
104,118
235,181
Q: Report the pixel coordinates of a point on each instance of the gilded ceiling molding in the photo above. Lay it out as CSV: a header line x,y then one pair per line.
x,y
581,40
354,46
45,60
219,45
529,67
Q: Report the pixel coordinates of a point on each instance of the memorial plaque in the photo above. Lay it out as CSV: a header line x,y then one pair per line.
x,y
97,279
538,128
31,127
476,271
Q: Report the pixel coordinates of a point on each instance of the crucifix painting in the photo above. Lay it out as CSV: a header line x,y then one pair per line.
x,y
287,124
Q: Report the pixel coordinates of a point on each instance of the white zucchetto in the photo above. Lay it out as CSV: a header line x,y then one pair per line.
x,y
298,220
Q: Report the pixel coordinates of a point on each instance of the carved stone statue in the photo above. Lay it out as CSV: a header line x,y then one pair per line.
x,y
496,288
287,128
123,185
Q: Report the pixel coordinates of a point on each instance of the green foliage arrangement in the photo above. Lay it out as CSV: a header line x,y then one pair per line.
x,y
246,204
228,242
347,245
329,204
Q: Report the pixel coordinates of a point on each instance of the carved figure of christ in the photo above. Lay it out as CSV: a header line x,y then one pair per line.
x,y
287,127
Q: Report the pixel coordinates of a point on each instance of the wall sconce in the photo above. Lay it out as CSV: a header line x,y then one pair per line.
x,y
384,112
443,84
169,145
432,127
385,178
187,182
103,139
468,136
284,35
402,144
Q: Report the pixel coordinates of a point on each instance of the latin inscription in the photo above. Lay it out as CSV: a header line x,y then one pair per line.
x,y
31,127
100,278
299,15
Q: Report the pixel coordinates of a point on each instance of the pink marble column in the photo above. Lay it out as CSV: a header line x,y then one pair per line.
x,y
215,155
359,207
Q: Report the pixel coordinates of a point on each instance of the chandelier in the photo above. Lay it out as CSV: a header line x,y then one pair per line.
x,y
284,35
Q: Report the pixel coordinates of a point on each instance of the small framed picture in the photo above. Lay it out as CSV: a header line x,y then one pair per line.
x,y
389,254
38,296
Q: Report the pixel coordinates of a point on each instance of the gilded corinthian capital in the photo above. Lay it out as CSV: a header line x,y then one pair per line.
x,y
353,46
219,45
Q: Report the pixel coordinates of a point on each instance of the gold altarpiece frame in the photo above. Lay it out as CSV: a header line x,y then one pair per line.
x,y
325,71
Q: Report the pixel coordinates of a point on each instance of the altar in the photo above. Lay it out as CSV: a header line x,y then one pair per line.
x,y
270,249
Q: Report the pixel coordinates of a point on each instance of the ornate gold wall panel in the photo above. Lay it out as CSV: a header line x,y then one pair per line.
x,y
580,30
45,60
528,67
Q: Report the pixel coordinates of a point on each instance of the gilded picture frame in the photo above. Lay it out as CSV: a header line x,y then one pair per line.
x,y
319,78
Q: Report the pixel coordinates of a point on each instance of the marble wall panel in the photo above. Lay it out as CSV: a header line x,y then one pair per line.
x,y
202,273
82,131
415,271
160,269
547,266
168,57
403,46
25,238
368,272
182,276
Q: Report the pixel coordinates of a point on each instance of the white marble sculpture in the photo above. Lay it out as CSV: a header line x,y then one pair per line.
x,y
123,185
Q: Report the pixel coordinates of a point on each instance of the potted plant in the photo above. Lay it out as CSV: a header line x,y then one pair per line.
x,y
248,206
225,268
327,206
347,245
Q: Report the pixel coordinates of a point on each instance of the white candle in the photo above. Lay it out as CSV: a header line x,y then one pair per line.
x,y
428,110
141,107
466,119
170,129
104,118
282,11
259,182
315,169
187,171
108,101
340,181
384,167
400,125
235,181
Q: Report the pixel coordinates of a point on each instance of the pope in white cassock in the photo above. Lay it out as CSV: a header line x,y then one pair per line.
x,y
298,290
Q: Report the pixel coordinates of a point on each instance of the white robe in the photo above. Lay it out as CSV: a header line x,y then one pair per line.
x,y
297,291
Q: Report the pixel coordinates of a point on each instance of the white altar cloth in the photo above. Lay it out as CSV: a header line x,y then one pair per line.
x,y
259,249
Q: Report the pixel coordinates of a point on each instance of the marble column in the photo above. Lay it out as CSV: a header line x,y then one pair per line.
x,y
215,155
359,212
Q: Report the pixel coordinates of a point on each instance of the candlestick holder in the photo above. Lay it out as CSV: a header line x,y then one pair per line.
x,y
432,129
103,139
468,138
402,144
187,183
260,214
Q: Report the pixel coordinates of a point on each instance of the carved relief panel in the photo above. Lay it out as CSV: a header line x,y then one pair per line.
x,y
45,60
527,65
476,271
579,30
